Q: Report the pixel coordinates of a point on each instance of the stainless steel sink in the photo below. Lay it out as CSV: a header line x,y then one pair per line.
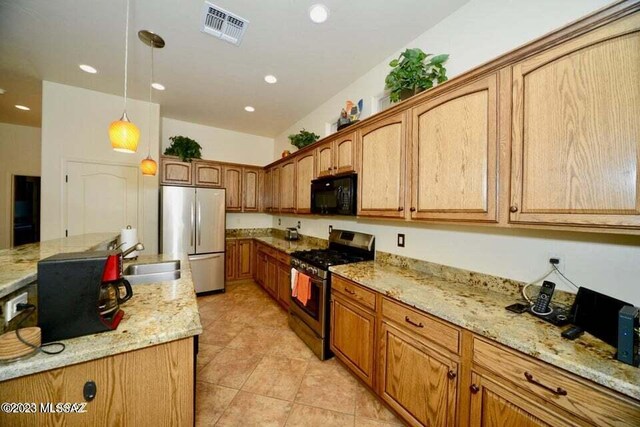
x,y
152,272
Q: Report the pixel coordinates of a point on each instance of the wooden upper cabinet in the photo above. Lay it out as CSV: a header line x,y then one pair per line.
x,y
345,155
207,174
305,173
175,172
576,131
250,189
288,186
275,189
382,152
233,184
454,155
266,191
324,154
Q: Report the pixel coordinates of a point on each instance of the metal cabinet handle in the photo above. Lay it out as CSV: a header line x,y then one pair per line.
x,y
412,209
451,374
474,388
559,391
513,208
411,322
349,291
400,209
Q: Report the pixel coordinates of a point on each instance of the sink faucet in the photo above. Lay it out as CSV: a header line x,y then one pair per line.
x,y
136,247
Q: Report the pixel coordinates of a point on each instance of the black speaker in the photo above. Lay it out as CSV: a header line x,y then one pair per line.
x,y
627,335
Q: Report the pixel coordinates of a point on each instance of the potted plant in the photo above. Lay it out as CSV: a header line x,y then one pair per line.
x,y
185,148
413,72
303,138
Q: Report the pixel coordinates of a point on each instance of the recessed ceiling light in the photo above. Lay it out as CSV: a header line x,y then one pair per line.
x,y
87,68
22,107
271,79
2,91
249,108
157,86
318,13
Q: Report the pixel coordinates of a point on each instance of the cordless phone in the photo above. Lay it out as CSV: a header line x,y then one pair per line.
x,y
541,306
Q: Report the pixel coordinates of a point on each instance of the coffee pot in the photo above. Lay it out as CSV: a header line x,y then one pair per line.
x,y
110,298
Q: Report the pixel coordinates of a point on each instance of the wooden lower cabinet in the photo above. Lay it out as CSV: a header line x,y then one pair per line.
x,y
231,260
272,277
353,336
245,259
150,386
415,380
261,267
284,283
494,405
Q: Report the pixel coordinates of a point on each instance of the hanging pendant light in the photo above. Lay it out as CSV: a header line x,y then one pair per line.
x,y
149,166
123,134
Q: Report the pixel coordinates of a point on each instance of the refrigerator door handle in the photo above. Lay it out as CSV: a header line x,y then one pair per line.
x,y
199,224
192,231
206,256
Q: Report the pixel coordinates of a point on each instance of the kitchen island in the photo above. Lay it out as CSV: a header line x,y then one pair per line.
x,y
143,370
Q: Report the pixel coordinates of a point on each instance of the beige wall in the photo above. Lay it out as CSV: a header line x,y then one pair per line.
x,y
476,33
74,127
221,144
19,155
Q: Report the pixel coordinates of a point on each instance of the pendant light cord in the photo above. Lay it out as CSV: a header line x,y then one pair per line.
x,y
126,57
150,96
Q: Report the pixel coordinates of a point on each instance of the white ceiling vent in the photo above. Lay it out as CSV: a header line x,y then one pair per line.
x,y
223,24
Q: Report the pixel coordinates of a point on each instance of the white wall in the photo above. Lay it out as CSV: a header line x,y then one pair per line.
x,y
75,122
249,220
478,32
608,263
19,155
221,144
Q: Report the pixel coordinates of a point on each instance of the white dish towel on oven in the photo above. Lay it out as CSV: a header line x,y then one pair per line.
x,y
294,282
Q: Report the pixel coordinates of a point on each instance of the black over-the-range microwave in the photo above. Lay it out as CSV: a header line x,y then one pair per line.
x,y
334,195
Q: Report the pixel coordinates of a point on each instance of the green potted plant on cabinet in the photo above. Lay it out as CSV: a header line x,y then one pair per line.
x,y
185,148
413,72
303,138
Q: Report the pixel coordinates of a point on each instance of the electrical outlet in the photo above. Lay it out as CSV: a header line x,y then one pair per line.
x,y
299,225
401,240
561,262
279,221
330,228
10,310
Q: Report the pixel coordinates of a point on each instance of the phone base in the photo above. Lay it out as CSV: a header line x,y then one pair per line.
x,y
558,316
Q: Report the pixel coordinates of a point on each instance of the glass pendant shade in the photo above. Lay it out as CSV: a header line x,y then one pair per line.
x,y
124,135
149,166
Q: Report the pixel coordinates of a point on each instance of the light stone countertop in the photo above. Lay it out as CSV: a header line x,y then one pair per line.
x,y
482,310
18,266
292,246
157,313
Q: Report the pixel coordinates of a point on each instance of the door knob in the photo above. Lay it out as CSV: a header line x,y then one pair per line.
x,y
400,209
513,208
474,388
412,209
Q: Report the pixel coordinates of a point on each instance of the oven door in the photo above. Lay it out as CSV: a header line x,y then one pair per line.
x,y
312,314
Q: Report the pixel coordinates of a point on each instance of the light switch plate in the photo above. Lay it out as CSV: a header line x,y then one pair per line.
x,y
401,240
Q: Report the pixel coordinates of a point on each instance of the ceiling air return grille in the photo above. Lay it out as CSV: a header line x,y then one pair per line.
x,y
223,24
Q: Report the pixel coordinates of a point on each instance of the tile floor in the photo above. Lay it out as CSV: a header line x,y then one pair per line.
x,y
254,371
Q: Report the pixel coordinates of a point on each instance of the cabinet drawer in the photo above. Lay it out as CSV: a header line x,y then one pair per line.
x,y
422,324
354,292
590,402
283,257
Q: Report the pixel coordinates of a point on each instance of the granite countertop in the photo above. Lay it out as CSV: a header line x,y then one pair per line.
x,y
18,266
157,313
289,247
482,310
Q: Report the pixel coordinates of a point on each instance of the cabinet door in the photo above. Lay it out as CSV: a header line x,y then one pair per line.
x,y
353,337
382,167
284,284
250,183
267,190
233,184
245,259
175,172
231,260
576,132
275,189
345,155
272,277
416,381
288,186
261,268
324,154
494,405
207,174
454,155
305,165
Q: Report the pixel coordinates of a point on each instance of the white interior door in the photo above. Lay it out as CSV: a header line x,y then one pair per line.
x,y
100,197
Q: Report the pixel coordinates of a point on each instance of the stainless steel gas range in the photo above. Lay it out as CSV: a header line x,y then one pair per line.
x,y
311,319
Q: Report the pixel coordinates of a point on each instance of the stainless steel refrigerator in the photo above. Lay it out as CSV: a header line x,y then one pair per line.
x,y
193,223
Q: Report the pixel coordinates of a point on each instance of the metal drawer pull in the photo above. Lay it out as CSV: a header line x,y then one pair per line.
x,y
349,291
474,388
418,325
451,374
559,391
